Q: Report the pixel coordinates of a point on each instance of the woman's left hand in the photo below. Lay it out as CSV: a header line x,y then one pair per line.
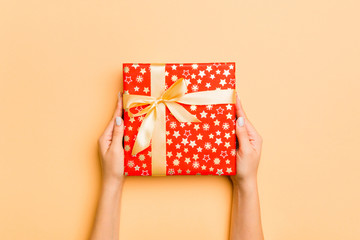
x,y
111,146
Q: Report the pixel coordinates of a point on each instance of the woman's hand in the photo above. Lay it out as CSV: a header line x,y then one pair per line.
x,y
111,146
249,150
107,219
245,213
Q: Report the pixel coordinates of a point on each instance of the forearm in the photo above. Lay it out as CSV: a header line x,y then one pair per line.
x,y
106,226
245,215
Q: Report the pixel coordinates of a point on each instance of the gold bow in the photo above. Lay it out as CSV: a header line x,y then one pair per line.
x,y
171,98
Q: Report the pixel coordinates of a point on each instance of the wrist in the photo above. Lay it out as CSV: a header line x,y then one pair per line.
x,y
245,184
113,183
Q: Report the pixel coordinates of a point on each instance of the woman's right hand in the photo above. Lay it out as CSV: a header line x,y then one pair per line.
x,y
249,150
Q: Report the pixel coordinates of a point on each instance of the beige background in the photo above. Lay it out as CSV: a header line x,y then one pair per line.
x,y
298,77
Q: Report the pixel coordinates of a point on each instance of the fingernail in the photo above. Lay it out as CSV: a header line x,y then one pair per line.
x,y
119,95
118,121
240,121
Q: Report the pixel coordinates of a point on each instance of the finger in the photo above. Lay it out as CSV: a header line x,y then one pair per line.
x,y
118,133
118,111
118,130
105,138
239,109
242,134
254,136
109,129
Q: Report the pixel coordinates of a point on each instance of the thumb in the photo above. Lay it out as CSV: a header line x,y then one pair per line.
x,y
242,134
118,133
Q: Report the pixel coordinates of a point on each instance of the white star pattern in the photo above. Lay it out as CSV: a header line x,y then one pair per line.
x,y
186,73
184,141
192,143
194,88
206,158
143,71
220,110
202,73
223,154
222,82
226,73
176,134
193,107
207,145
139,79
203,114
128,79
219,172
135,65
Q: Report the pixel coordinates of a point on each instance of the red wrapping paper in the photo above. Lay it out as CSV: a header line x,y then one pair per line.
x,y
192,148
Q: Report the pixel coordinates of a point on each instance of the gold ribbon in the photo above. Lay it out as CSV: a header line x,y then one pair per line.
x,y
153,126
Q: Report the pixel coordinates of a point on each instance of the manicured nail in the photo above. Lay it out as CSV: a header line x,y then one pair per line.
x,y
240,121
118,121
119,95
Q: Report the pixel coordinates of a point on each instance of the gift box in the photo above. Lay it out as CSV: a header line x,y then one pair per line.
x,y
179,119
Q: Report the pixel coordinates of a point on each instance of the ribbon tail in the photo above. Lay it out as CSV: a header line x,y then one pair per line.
x,y
145,132
180,113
